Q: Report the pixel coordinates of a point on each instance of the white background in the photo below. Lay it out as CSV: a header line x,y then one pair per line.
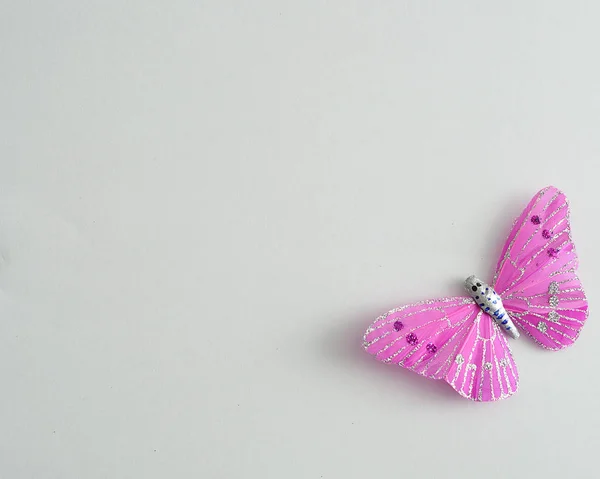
x,y
203,204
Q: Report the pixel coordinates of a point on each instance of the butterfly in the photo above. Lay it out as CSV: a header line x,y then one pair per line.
x,y
463,340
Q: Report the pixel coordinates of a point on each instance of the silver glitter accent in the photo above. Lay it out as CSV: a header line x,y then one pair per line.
x,y
542,327
504,362
553,301
459,359
553,287
487,366
472,366
553,316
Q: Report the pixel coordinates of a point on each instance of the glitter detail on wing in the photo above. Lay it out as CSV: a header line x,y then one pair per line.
x,y
491,372
442,324
565,311
536,273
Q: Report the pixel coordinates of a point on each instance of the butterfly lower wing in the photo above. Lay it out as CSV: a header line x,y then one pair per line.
x,y
483,368
538,257
552,313
423,337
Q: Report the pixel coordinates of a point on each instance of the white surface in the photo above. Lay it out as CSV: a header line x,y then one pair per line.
x,y
204,204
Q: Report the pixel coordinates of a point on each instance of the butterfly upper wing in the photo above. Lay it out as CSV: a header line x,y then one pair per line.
x,y
536,274
525,252
423,337
483,368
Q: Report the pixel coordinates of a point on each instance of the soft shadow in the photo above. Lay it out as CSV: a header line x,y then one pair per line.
x,y
496,232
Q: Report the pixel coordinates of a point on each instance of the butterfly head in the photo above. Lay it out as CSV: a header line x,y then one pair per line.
x,y
475,287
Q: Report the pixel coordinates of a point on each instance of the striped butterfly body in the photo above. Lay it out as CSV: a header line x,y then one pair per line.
x,y
463,340
490,302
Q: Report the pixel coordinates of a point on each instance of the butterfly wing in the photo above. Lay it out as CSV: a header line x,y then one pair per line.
x,y
536,274
423,337
483,368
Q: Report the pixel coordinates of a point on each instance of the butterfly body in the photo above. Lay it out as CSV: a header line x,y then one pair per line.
x,y
490,302
459,340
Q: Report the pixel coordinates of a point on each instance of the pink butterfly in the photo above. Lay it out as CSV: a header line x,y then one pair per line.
x,y
535,290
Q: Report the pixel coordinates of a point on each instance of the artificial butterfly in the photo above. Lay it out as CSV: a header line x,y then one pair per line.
x,y
462,340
